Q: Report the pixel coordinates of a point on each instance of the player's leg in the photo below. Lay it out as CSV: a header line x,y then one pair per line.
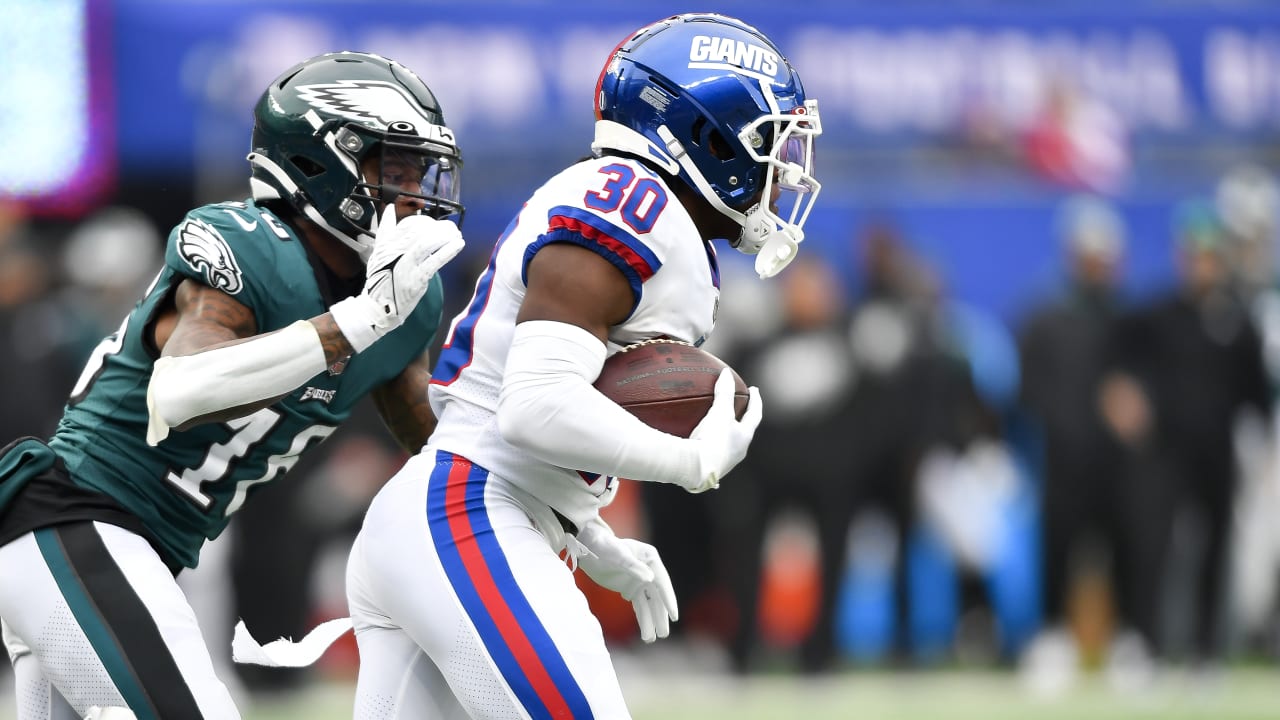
x,y
108,624
35,695
539,591
398,681
396,678
478,587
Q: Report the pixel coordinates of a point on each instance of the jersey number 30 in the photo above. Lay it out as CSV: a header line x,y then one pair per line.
x,y
639,202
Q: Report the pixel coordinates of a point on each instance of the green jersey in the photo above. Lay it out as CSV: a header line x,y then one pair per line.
x,y
186,488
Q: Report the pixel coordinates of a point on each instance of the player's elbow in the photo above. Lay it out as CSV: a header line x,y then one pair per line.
x,y
515,424
169,395
178,396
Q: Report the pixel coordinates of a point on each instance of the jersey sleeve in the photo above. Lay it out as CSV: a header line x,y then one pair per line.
x,y
602,219
227,247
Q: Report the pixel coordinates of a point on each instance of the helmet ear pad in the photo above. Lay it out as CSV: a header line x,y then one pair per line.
x,y
328,180
715,149
327,183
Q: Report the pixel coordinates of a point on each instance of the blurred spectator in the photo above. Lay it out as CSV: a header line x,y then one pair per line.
x,y
1063,344
930,455
975,499
857,401
1185,370
109,259
35,381
1248,200
801,454
1076,141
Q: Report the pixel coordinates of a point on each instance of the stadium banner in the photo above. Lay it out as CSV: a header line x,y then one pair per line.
x,y
887,73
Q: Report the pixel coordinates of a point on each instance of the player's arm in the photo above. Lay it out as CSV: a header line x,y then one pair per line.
x,y
549,407
404,407
570,284
203,318
217,370
191,377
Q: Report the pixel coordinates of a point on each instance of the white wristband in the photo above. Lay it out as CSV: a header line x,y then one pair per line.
x,y
357,318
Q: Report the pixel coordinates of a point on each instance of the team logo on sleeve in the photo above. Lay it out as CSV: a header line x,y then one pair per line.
x,y
203,248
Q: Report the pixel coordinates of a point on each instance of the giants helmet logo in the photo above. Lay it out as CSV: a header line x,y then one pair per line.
x,y
719,53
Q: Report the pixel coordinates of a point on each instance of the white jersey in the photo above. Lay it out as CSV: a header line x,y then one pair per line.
x,y
613,206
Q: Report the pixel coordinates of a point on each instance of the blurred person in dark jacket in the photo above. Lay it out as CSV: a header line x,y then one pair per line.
x,y
860,395
1186,369
927,445
801,455
1063,344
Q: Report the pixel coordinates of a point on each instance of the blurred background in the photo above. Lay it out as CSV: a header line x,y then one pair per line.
x,y
1020,454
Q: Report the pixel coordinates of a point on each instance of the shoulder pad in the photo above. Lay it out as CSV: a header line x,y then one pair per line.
x,y
218,244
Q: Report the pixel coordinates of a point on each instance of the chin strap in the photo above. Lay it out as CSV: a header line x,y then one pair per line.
x,y
777,250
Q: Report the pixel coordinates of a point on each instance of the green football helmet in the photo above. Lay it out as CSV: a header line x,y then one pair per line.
x,y
318,122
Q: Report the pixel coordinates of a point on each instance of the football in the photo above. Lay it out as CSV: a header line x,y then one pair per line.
x,y
668,384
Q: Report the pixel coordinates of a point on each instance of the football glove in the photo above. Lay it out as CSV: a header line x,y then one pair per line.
x,y
634,570
722,438
406,255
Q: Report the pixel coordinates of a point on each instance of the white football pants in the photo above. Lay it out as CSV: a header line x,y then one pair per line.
x,y
463,607
92,612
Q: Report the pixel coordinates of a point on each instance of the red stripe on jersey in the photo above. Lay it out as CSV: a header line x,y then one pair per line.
x,y
618,247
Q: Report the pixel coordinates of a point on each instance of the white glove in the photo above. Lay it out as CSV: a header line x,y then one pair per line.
x,y
406,255
634,570
722,438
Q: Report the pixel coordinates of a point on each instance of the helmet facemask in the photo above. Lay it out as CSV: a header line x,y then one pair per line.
x,y
338,135
404,159
789,160
408,165
784,144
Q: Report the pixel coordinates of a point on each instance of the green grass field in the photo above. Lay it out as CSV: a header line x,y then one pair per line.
x,y
1241,694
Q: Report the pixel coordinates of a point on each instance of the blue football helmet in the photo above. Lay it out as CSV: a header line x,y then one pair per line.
x,y
318,122
711,100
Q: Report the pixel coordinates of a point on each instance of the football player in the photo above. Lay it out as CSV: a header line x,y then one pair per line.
x,y
269,321
460,600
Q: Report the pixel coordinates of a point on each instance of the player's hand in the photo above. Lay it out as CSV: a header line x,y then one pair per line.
x,y
406,255
722,438
634,570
